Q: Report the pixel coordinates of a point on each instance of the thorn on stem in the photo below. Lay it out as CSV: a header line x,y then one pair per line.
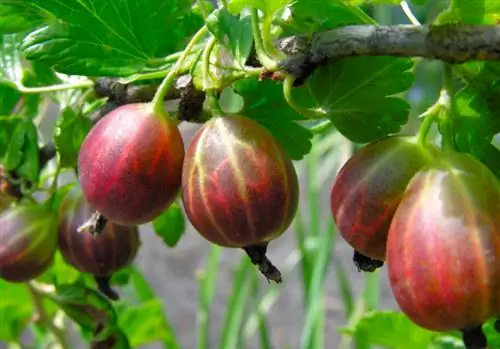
x,y
257,254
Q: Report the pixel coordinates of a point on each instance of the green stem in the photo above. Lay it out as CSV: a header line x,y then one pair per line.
x,y
447,114
213,102
54,88
268,42
409,13
171,58
206,62
287,93
45,319
53,186
446,132
321,127
430,116
266,61
174,72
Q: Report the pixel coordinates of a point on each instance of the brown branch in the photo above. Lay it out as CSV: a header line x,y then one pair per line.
x,y
452,43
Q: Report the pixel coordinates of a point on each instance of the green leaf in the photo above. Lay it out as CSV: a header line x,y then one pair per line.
x,y
9,96
358,95
114,338
22,153
7,127
267,6
491,159
372,2
170,225
31,101
392,330
18,16
310,16
265,103
61,272
10,64
471,12
70,131
113,37
44,74
144,323
419,2
16,309
60,194
472,123
233,32
87,307
492,335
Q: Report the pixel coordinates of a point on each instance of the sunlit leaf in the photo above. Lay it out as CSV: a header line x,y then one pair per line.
x,y
18,16
358,95
265,103
112,37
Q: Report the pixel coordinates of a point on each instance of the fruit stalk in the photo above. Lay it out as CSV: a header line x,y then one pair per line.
x,y
264,59
174,72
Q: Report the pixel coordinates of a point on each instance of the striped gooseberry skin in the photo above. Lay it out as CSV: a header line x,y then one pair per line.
x,y
102,255
239,186
369,187
130,164
28,241
443,249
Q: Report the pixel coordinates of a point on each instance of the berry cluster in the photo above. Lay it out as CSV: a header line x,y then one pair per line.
x,y
239,189
432,216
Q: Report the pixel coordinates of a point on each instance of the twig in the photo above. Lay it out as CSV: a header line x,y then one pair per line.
x,y
452,43
44,318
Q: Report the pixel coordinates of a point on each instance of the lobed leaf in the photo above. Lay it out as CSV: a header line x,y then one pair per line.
x,y
358,95
265,103
113,37
233,32
310,16
18,16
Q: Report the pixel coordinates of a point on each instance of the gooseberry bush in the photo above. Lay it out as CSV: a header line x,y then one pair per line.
x,y
388,107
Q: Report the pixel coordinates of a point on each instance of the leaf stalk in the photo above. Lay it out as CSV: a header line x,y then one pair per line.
x,y
168,81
